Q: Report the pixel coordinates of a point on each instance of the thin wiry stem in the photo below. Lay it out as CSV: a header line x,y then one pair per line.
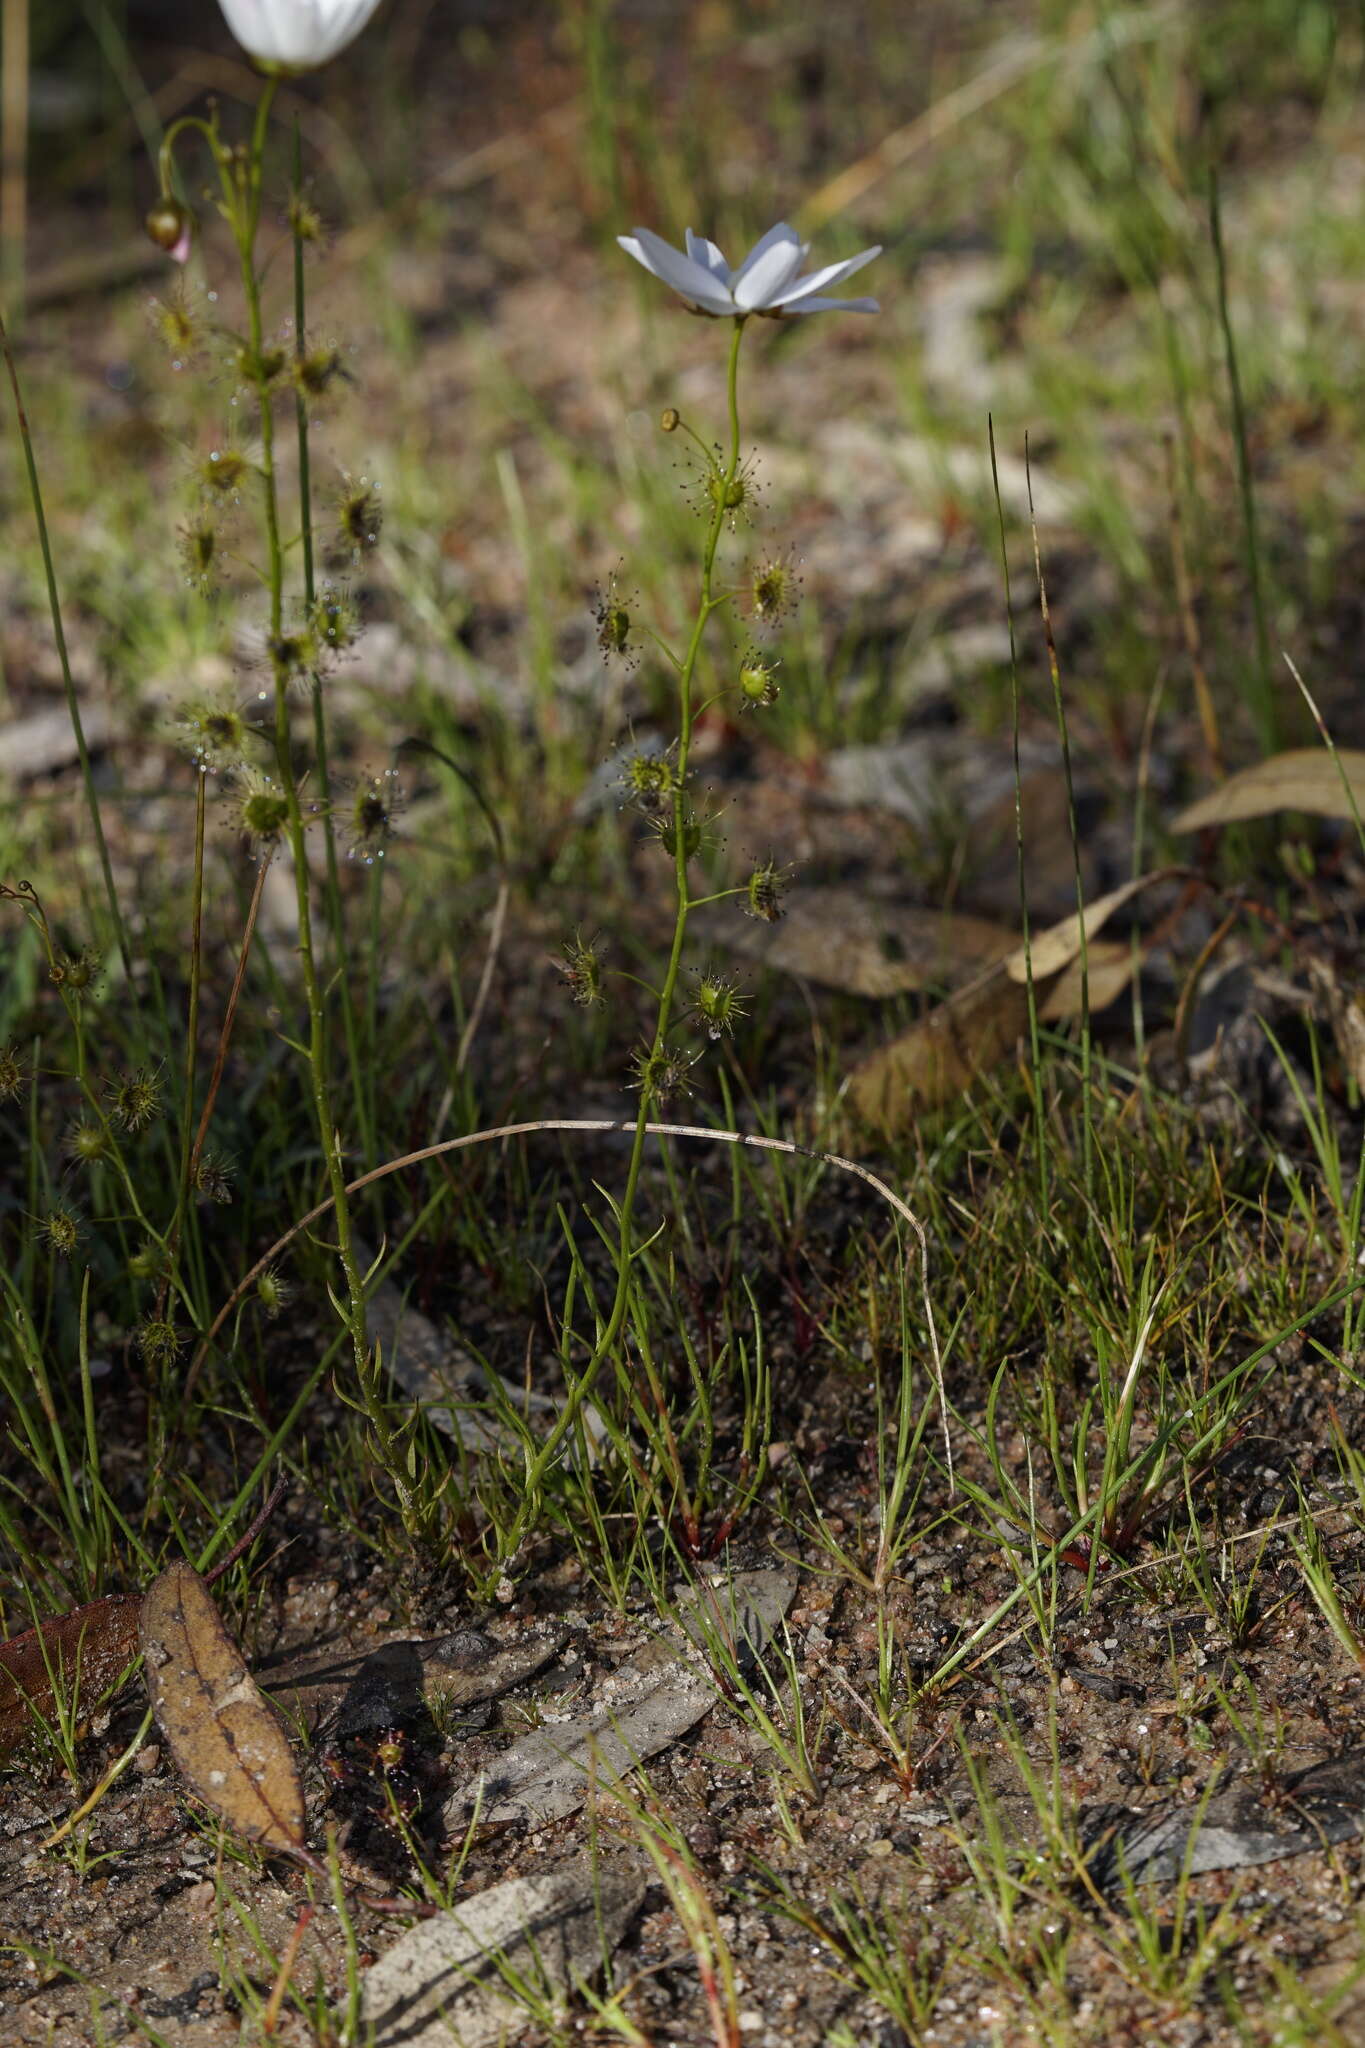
x,y
751,1140
247,221
59,639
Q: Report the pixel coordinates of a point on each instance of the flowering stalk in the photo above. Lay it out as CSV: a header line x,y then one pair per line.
x,y
240,174
767,283
182,1201
655,1059
246,216
335,920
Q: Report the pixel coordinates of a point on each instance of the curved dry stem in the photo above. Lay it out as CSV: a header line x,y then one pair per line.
x,y
556,1123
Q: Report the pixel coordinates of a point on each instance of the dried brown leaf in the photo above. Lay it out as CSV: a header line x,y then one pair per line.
x,y
92,1646
1060,944
962,1038
1305,779
1109,967
942,1054
847,940
223,1735
653,1699
445,1984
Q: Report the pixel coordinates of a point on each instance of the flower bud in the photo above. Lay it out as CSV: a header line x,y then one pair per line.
x,y
774,589
292,654
335,617
670,420
262,811
716,1003
215,735
169,225
223,471
664,1075
198,546
361,517
305,222
648,781
87,1143
75,971
683,818
375,804
315,372
212,1179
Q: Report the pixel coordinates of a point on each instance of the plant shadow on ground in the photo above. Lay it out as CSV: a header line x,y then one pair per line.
x,y
1141,1580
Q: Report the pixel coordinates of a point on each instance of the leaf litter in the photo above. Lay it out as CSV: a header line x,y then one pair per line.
x,y
450,1980
225,1737
1073,971
91,1647
653,1700
1326,784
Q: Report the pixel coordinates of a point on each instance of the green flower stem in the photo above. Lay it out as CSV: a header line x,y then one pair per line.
x,y
191,1041
246,220
360,1096
539,1465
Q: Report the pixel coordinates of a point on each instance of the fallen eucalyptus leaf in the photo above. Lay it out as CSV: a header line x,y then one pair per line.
x,y
222,1733
846,939
447,1982
941,1054
1234,1829
1109,968
1305,779
90,1647
1049,951
648,1703
978,1025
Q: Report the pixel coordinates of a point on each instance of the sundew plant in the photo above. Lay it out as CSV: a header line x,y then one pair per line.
x,y
259,750
422,1288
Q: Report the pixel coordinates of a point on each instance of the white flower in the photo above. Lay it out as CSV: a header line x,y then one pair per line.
x,y
296,35
766,281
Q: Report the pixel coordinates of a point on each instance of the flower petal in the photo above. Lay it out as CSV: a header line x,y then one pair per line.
x,y
296,35
708,255
769,267
828,306
833,273
687,278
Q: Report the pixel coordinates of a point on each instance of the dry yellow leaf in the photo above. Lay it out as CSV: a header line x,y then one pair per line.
x,y
845,939
1059,945
1109,967
92,1646
1305,779
976,1027
943,1053
226,1740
